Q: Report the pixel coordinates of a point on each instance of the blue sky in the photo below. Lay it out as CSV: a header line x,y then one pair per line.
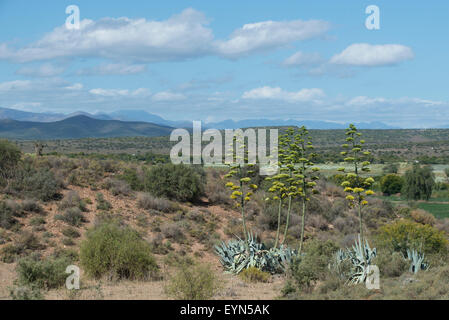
x,y
215,60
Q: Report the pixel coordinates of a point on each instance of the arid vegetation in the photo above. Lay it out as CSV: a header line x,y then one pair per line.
x,y
309,232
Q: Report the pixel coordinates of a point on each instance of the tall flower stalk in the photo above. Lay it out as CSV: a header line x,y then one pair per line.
x,y
305,174
357,187
241,192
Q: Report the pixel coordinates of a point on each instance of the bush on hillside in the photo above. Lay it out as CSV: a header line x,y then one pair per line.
x,y
176,182
405,234
117,252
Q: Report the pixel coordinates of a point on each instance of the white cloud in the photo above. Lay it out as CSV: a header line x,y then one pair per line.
x,y
182,36
75,86
168,96
278,94
119,92
44,70
268,35
301,58
364,54
114,69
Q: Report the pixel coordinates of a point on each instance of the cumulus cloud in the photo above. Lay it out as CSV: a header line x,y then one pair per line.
x,y
368,55
113,69
303,59
268,35
276,93
183,36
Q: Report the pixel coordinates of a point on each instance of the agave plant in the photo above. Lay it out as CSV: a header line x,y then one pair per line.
x,y
359,256
417,261
239,254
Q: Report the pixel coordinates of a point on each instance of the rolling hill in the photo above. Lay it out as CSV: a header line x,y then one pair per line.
x,y
79,126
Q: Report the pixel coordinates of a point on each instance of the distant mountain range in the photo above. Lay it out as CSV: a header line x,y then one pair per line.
x,y
79,126
143,116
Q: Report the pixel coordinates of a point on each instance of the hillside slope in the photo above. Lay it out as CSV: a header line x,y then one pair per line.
x,y
79,126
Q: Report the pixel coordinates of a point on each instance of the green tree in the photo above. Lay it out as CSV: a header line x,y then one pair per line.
x,y
419,182
391,184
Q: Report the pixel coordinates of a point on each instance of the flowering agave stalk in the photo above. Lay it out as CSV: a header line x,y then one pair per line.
x,y
357,187
242,191
304,175
278,190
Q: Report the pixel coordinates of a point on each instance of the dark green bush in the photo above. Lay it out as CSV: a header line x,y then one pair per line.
x,y
117,252
177,182
391,184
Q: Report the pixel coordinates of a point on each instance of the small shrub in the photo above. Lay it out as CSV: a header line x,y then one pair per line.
x,y
117,252
391,264
37,221
72,200
117,187
31,205
252,274
197,282
45,274
71,232
102,204
72,216
7,220
25,293
313,266
147,201
422,217
173,231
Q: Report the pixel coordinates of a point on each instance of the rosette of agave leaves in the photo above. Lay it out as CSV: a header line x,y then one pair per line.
x,y
357,258
237,255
